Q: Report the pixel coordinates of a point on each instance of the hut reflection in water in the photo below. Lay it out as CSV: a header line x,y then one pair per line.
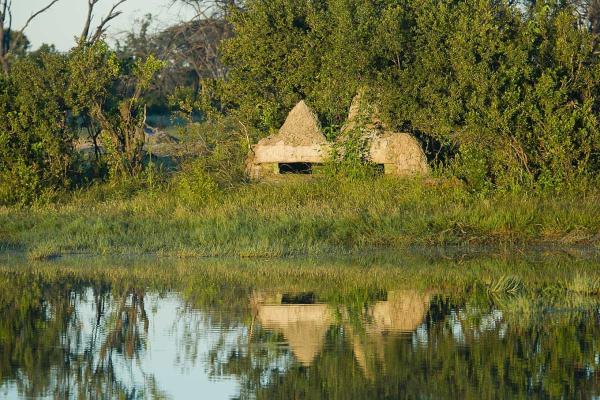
x,y
304,324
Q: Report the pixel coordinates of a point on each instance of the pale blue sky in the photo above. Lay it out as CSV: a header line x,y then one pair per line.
x,y
64,20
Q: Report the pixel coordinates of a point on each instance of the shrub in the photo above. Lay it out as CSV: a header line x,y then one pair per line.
x,y
215,162
37,157
509,91
193,185
110,93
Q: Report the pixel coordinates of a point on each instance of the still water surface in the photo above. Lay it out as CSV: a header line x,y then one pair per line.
x,y
71,335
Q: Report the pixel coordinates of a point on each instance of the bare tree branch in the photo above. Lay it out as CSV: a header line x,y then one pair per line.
x,y
6,29
36,14
4,36
103,26
112,14
88,21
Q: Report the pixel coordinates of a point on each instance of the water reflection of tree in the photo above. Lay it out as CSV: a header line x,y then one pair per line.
x,y
461,352
469,346
208,305
45,351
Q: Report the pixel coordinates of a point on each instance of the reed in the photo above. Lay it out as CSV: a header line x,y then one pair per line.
x,y
315,216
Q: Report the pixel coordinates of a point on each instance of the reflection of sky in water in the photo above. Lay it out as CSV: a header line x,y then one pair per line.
x,y
177,374
456,327
178,342
188,353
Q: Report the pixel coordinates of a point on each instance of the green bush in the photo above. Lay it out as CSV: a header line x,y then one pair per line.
x,y
36,134
509,91
45,100
193,185
516,94
216,161
110,92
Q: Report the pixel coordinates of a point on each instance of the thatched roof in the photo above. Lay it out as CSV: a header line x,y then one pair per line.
x,y
401,150
404,311
301,128
303,325
299,140
361,112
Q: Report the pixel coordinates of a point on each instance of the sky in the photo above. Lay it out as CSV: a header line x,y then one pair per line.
x,y
65,19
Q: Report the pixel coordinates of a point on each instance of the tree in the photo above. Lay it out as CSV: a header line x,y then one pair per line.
x,y
8,44
190,52
107,94
36,132
111,92
513,95
507,90
283,51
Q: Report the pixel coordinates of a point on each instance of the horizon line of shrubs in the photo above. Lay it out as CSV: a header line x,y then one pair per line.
x,y
503,95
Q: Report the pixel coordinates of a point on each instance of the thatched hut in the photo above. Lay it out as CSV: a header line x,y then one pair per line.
x,y
296,148
403,311
401,314
395,152
303,326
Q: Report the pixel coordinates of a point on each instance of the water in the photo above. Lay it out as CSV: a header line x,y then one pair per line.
x,y
170,332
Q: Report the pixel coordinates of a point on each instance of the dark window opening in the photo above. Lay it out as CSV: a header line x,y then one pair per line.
x,y
296,168
298,298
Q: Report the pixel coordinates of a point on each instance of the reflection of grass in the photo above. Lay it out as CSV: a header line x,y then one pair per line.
x,y
527,291
583,283
504,284
348,280
45,251
520,307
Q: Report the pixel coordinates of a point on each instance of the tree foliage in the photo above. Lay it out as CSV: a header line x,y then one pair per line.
x,y
515,95
111,93
46,98
508,92
36,133
503,94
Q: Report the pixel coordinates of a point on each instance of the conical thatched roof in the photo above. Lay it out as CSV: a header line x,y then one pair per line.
x,y
361,112
300,140
303,325
404,311
301,128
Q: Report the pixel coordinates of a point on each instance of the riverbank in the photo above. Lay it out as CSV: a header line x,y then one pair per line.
x,y
536,274
312,216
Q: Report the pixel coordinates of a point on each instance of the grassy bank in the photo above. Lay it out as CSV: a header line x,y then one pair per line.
x,y
333,278
314,216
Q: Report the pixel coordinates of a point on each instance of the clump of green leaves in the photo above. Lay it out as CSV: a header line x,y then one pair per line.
x,y
37,157
193,185
111,92
350,156
508,90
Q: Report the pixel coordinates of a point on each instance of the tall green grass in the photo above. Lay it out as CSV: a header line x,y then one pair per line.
x,y
308,216
485,277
